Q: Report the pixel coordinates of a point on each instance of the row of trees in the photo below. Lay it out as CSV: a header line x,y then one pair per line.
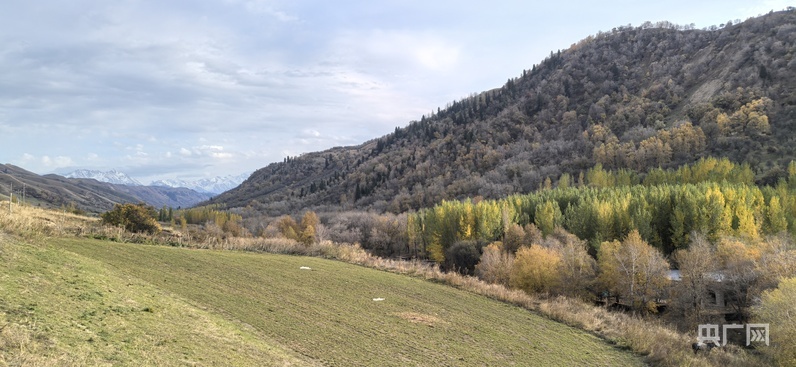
x,y
208,213
143,218
725,276
598,206
630,271
665,210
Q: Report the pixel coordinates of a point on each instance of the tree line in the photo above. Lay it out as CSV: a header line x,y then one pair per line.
x,y
713,196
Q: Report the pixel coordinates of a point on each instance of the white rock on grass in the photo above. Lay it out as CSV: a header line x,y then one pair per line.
x,y
378,299
305,268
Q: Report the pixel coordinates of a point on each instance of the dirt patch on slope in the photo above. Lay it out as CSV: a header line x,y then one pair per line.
x,y
419,318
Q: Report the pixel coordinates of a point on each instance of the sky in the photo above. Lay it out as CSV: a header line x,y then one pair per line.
x,y
188,89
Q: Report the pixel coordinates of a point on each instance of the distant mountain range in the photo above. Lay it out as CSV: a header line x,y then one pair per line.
x,y
215,185
113,176
212,186
89,193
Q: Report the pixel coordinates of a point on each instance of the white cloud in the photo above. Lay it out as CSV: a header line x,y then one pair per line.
x,y
437,56
221,155
763,7
207,150
59,161
398,50
265,7
311,132
211,148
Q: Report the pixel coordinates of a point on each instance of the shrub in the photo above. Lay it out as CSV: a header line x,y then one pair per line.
x,y
134,218
535,269
495,264
462,257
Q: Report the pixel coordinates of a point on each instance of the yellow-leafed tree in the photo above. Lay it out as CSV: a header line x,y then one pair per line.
x,y
634,270
778,309
535,269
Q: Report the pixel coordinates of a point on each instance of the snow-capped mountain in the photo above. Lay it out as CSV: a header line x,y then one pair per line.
x,y
215,185
113,176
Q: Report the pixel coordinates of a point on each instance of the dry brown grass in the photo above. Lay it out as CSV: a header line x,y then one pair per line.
x,y
23,345
32,222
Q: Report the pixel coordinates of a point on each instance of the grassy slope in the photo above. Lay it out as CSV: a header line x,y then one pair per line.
x,y
58,308
328,314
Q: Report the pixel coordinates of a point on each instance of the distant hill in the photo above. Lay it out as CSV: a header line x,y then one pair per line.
x,y
88,194
634,98
112,176
214,186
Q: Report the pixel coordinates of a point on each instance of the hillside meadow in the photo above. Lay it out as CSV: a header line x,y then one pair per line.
x,y
78,301
58,308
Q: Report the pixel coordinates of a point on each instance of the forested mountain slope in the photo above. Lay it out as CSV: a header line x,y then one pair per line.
x,y
658,95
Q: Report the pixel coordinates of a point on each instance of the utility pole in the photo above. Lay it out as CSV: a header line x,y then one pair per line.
x,y
24,186
10,198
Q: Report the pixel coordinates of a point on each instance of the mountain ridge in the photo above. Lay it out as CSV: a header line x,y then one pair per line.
x,y
87,194
113,176
214,185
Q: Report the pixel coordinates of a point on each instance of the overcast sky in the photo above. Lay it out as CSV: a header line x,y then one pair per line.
x,y
199,88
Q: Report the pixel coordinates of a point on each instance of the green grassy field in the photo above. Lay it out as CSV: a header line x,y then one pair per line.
x,y
58,308
78,301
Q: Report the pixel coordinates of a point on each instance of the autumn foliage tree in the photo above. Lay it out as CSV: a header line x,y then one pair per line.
x,y
634,270
741,275
309,223
577,268
535,269
690,295
777,259
548,216
304,232
750,119
778,308
514,238
495,264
